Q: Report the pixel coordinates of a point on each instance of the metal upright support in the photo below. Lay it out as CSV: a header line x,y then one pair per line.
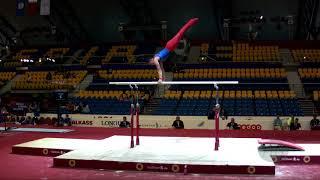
x,y
217,114
5,123
132,117
226,29
164,32
137,108
290,26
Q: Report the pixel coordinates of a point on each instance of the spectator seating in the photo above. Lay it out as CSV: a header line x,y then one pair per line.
x,y
172,95
120,54
263,103
306,55
56,52
99,94
6,76
121,95
223,73
109,102
12,64
145,51
194,103
38,56
129,53
98,55
240,52
39,80
17,55
253,53
250,78
204,49
117,72
128,74
309,73
25,54
224,52
91,52
260,102
221,53
276,102
166,107
110,106
310,78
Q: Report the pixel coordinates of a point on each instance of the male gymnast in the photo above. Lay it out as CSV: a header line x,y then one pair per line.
x,y
159,58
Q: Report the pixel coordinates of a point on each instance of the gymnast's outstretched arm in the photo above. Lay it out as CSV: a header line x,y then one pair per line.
x,y
159,68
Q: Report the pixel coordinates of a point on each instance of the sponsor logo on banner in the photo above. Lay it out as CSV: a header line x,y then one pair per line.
x,y
139,166
79,122
57,152
102,117
290,159
160,168
259,127
250,126
110,123
152,125
115,123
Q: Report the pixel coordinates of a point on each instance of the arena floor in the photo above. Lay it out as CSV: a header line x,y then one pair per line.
x,y
39,167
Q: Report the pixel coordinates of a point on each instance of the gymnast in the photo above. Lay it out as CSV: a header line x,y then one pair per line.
x,y
159,58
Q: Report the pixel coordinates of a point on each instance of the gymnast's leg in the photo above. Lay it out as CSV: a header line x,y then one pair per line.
x,y
173,43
